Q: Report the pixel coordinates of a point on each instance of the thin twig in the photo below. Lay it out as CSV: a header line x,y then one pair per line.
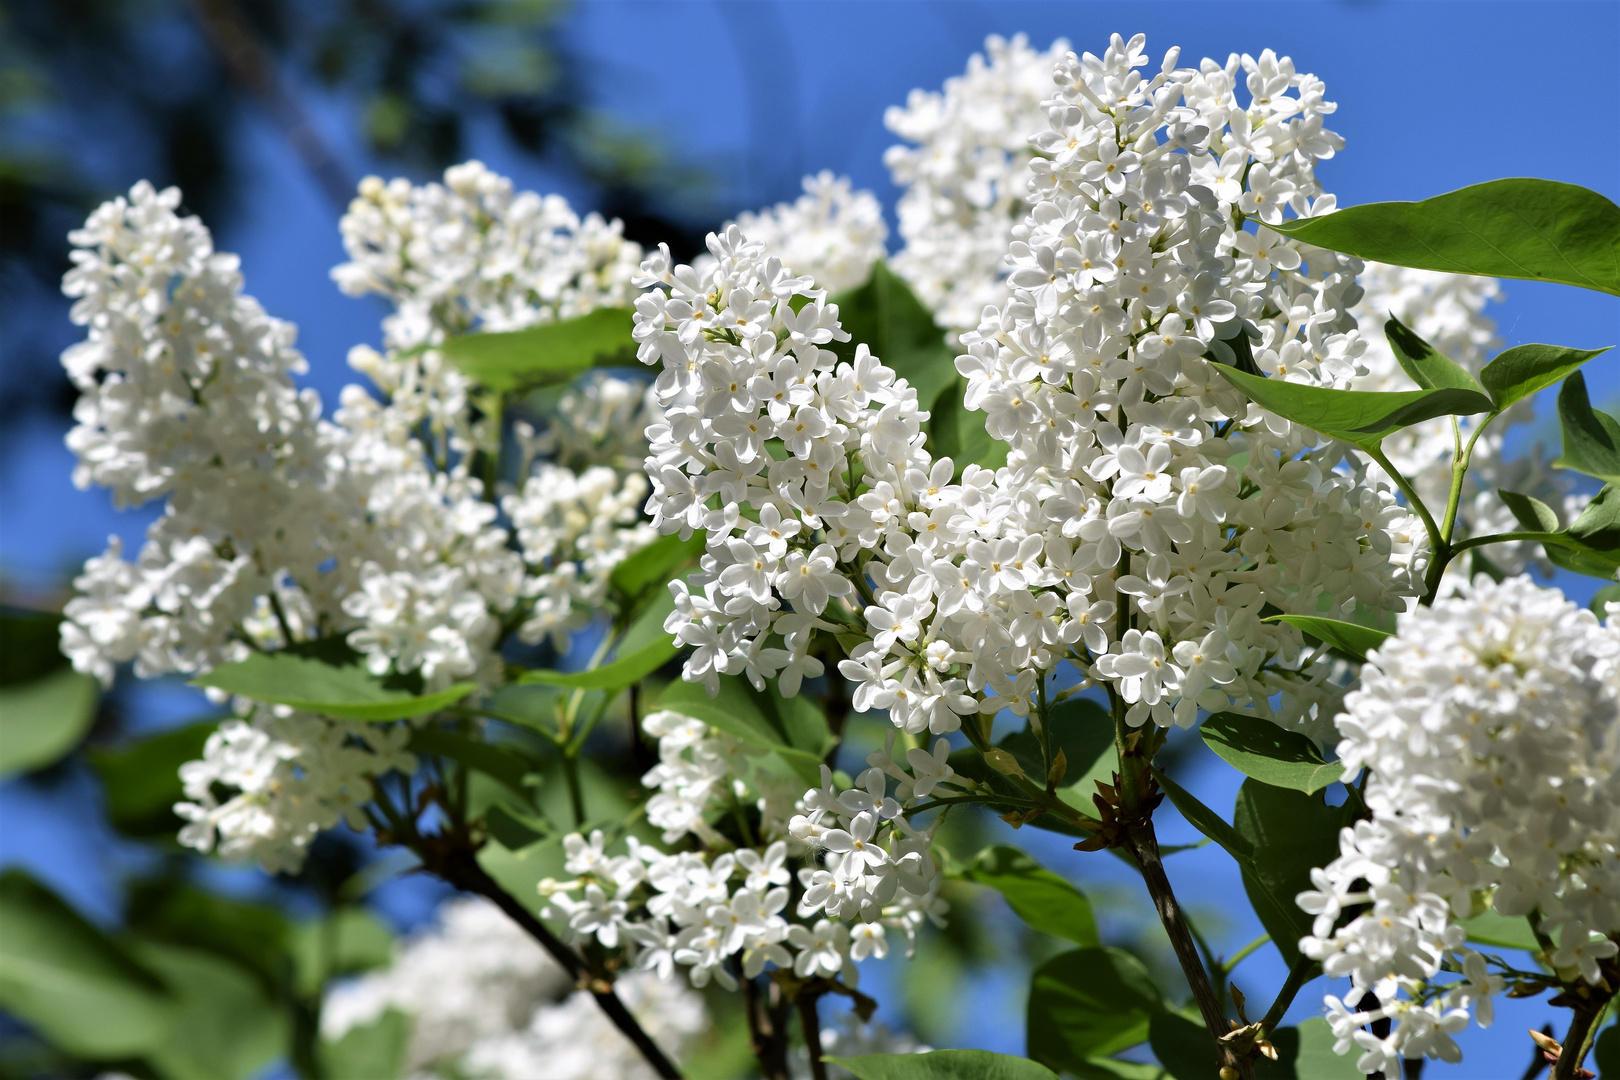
x,y
466,874
250,66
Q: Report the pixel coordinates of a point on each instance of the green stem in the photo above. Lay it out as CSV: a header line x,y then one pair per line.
x,y
1298,976
1459,470
1439,550
1244,953
576,797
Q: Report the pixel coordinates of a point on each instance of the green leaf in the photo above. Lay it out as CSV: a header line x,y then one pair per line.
x,y
1306,1053
142,781
1089,1003
1043,900
346,941
1084,731
1529,511
1348,638
943,1065
548,353
1591,438
1428,367
653,567
516,829
1361,418
225,1028
1538,230
1289,833
252,935
1597,526
375,1051
1258,748
957,432
1184,1047
493,761
345,692
1207,821
613,677
1609,594
57,972
30,644
884,316
1504,931
755,717
1525,369
43,720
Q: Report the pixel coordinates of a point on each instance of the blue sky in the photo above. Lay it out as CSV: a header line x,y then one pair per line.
x,y
1432,96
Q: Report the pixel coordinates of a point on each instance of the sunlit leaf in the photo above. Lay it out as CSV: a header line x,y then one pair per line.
x,y
1260,749
226,1027
376,1051
1351,639
344,691
1362,418
1428,367
548,353
1540,230
613,677
1527,369
1591,438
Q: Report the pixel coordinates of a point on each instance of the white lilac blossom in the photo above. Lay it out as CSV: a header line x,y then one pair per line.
x,y
866,876
1136,473
1448,311
486,1003
965,180
831,233
1490,724
281,527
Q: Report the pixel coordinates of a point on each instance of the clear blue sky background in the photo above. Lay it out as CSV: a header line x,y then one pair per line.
x,y
1432,96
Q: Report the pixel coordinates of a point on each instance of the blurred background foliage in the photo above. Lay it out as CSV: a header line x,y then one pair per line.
x,y
94,92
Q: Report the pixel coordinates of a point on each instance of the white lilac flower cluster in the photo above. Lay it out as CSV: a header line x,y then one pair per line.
x,y
471,253
1490,724
486,1003
864,871
1136,475
280,527
831,233
965,180
1448,311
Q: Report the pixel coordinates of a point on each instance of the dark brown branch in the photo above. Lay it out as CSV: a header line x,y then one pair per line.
x,y
250,65
767,1026
810,1021
465,873
1144,845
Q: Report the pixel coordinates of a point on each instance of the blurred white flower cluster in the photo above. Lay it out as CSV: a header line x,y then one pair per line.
x,y
831,233
1491,728
966,178
486,1003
